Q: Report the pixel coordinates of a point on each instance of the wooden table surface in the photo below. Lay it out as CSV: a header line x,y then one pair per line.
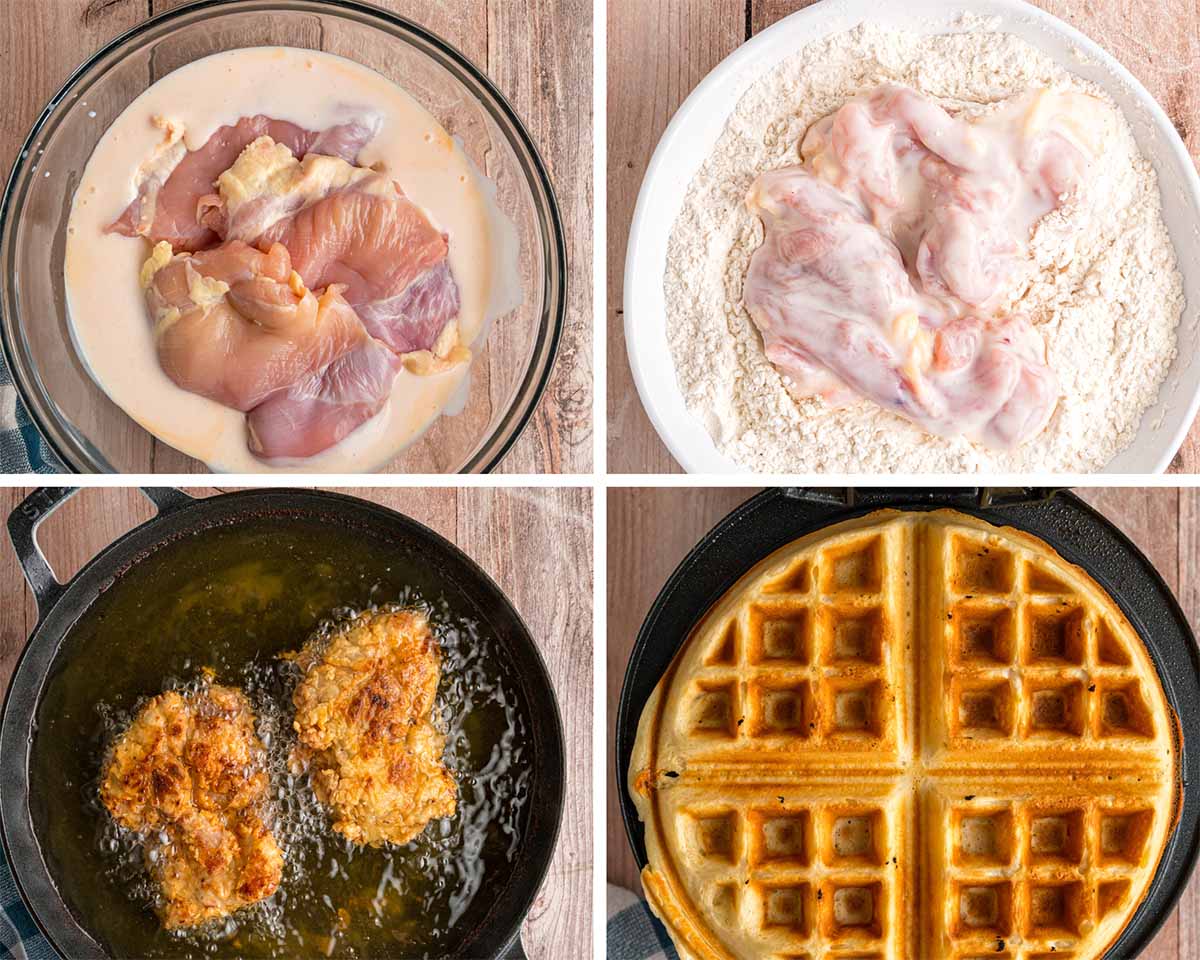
x,y
531,49
507,532
657,52
651,530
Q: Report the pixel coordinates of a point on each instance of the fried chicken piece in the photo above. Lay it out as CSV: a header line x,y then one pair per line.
x,y
363,719
190,775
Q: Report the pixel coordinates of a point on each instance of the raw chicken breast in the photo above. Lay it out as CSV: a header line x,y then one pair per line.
x,y
839,315
237,325
172,184
325,407
348,225
267,183
248,326
387,254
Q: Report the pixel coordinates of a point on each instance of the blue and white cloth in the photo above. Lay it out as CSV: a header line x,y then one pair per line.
x,y
633,932
19,936
22,449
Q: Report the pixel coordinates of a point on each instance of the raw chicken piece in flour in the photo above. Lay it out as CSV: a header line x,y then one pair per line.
x,y
887,259
959,198
830,294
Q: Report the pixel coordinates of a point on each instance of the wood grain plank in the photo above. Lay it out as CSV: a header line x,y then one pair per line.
x,y
657,53
539,55
1149,516
41,44
650,530
537,544
763,13
436,507
14,619
1159,42
262,29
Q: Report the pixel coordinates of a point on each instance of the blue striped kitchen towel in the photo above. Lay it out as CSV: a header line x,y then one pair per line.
x,y
22,449
634,933
19,936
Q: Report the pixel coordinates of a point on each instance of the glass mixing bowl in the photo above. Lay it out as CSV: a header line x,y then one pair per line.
x,y
87,431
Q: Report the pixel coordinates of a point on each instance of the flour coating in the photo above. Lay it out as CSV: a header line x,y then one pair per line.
x,y
1105,291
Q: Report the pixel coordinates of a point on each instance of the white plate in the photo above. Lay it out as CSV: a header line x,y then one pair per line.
x,y
695,128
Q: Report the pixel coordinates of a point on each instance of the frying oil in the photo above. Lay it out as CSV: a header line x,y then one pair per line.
x,y
233,600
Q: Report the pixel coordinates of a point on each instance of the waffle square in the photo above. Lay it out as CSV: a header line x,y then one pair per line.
x,y
909,735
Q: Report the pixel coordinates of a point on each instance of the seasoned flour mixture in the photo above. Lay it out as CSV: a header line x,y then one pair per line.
x,y
1105,292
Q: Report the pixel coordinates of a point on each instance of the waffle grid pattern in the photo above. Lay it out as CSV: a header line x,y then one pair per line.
x,y
1029,660
901,680
808,873
1029,877
808,659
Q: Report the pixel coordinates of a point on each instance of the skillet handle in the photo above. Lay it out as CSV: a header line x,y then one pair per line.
x,y
166,499
22,530
24,521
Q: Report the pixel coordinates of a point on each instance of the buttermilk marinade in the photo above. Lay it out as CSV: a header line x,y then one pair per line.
x,y
106,305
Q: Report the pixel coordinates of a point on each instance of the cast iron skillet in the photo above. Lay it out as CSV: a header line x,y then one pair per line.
x,y
776,517
496,932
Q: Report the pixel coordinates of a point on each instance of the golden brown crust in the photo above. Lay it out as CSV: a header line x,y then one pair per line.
x,y
363,719
909,734
190,773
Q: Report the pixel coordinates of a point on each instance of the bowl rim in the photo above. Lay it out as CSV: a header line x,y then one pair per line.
x,y
79,456
685,437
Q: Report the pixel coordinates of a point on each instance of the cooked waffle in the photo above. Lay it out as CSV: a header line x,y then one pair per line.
x,y
907,735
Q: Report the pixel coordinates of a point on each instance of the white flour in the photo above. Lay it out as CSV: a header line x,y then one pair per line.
x,y
1106,294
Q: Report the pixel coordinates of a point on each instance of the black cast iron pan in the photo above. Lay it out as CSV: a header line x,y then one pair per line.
x,y
773,518
104,594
